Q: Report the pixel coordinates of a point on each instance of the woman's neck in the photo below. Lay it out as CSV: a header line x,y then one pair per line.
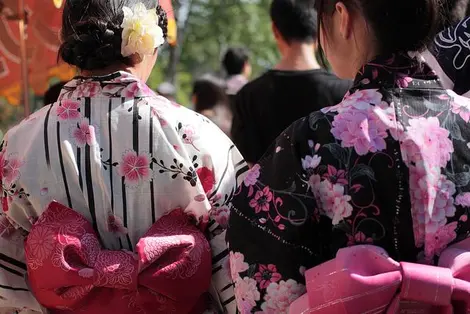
x,y
109,70
298,57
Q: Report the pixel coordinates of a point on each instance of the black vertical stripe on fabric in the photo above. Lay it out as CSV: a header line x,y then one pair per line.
x,y
152,192
12,261
135,126
11,270
79,166
88,171
13,288
46,138
230,300
220,256
62,167
124,212
110,133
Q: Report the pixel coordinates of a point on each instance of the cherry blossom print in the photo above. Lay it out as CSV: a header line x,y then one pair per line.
x,y
267,274
189,134
438,241
361,100
463,199
83,133
260,202
359,238
280,295
246,293
311,162
462,108
335,176
404,81
10,169
68,110
431,200
87,89
360,129
221,216
252,176
334,204
137,89
427,141
135,168
115,225
207,178
237,264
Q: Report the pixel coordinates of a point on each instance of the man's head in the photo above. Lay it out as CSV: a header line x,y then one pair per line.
x,y
294,21
236,61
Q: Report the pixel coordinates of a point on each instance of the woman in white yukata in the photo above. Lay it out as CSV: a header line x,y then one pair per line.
x,y
113,197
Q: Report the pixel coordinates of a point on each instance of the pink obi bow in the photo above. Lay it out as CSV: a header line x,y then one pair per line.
x,y
69,272
363,279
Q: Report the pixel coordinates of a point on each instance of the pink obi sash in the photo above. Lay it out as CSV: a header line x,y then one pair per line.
x,y
69,272
363,279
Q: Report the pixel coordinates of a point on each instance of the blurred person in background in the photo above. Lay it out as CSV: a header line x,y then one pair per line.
x,y
210,100
53,93
448,55
295,87
167,90
236,63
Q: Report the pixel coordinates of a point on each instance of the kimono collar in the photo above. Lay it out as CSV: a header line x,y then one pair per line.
x,y
395,71
118,84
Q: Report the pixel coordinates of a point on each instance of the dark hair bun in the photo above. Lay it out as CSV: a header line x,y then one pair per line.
x,y
92,34
94,45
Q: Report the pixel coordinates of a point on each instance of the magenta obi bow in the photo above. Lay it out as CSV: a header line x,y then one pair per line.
x,y
69,271
364,279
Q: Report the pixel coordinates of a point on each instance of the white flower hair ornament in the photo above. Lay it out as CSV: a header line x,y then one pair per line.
x,y
141,33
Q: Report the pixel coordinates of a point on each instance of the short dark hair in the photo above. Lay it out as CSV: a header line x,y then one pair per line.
x,y
91,32
296,20
389,21
235,60
53,93
210,92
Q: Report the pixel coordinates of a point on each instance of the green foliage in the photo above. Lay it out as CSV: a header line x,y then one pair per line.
x,y
207,30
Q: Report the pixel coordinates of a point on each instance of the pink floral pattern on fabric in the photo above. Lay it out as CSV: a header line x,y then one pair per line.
x,y
87,89
280,295
137,89
388,164
331,199
68,110
135,168
83,133
261,200
427,141
252,176
267,274
246,293
359,129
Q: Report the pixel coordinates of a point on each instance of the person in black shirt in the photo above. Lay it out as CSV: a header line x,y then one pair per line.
x,y
294,88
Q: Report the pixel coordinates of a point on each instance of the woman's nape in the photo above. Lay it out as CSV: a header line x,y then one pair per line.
x,y
92,37
353,32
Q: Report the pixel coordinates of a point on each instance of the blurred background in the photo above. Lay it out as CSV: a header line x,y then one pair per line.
x,y
204,28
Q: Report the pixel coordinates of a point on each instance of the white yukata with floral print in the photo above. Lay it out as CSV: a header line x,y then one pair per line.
x,y
122,157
